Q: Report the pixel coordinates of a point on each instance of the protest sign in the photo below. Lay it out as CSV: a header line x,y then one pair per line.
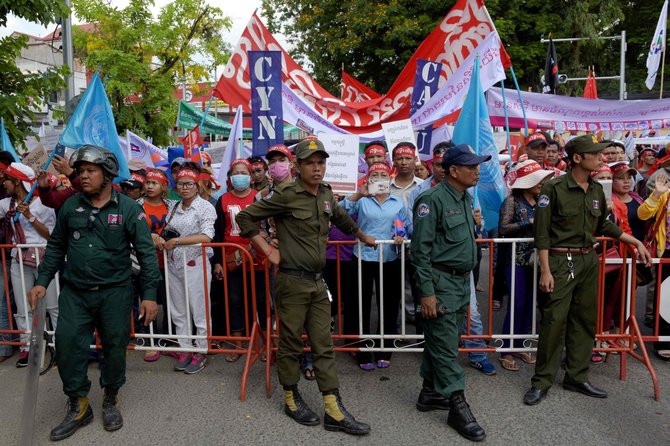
x,y
342,164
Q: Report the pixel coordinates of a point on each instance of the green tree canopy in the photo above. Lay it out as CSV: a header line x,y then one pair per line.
x,y
141,57
21,93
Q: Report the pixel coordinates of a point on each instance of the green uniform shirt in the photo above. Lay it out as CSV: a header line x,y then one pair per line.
x,y
98,245
444,229
568,217
302,221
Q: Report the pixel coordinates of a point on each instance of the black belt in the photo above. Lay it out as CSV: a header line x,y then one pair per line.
x,y
300,274
586,250
452,271
99,287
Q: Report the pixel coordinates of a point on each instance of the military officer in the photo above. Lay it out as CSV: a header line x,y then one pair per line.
x,y
302,211
94,230
571,210
444,254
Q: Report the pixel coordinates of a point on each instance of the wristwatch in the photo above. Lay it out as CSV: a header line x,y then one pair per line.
x,y
32,219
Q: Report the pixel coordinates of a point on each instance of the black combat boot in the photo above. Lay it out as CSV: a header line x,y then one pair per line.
x,y
429,399
338,419
111,417
461,418
296,408
79,414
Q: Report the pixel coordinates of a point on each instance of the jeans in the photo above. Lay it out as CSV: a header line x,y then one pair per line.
x,y
5,350
476,327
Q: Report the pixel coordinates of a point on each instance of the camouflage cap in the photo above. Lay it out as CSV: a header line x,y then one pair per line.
x,y
309,146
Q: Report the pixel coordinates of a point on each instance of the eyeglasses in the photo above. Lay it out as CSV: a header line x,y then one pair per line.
x,y
187,185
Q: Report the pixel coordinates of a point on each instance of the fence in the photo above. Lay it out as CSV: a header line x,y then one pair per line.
x,y
259,334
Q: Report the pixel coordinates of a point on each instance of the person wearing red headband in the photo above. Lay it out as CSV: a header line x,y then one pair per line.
x,y
156,205
189,222
238,198
374,207
259,170
206,185
6,350
206,159
34,225
404,182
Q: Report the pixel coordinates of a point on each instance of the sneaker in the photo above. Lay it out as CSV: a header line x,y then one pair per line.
x,y
197,363
183,360
152,356
23,359
484,366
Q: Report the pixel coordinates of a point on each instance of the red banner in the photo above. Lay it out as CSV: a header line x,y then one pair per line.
x,y
457,35
192,141
351,90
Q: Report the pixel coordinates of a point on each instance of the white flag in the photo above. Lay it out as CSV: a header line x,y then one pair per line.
x,y
139,148
657,47
233,149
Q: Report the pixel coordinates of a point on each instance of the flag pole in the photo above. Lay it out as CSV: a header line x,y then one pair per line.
x,y
660,95
523,109
509,139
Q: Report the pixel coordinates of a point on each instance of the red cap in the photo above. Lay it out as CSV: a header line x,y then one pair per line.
x,y
279,148
622,166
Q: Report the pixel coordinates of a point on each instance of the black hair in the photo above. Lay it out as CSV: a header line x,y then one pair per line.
x,y
375,143
443,146
6,157
257,159
191,166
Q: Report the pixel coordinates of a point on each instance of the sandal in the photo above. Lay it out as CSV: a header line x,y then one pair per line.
x,y
525,357
508,363
309,374
597,358
663,355
232,357
383,364
368,366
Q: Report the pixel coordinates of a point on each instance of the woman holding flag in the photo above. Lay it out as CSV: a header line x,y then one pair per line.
x,y
385,217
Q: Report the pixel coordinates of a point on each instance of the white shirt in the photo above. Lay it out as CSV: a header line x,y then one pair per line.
x,y
197,219
405,192
43,214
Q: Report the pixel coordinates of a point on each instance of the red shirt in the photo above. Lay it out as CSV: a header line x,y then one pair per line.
x,y
156,216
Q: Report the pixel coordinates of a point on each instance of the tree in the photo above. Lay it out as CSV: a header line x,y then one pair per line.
x,y
141,57
21,93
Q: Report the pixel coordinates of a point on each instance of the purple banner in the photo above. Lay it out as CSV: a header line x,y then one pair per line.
x,y
266,100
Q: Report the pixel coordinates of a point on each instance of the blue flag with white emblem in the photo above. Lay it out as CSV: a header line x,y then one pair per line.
x,y
93,123
474,128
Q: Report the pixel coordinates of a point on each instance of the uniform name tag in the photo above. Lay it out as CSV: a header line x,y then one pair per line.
x,y
451,212
596,204
114,219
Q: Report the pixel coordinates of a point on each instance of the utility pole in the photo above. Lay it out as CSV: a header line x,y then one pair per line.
x,y
68,54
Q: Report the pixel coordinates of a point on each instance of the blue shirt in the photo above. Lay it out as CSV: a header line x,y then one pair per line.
x,y
378,220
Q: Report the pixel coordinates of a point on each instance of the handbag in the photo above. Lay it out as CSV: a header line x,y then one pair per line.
x,y
28,255
168,232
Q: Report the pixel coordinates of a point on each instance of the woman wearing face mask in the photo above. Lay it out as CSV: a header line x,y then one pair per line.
x,y
227,207
190,221
377,212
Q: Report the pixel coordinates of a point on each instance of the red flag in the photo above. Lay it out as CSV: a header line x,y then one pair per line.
x,y
354,91
590,90
192,141
466,25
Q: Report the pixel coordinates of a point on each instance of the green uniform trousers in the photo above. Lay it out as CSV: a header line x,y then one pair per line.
x,y
439,366
303,304
569,319
108,310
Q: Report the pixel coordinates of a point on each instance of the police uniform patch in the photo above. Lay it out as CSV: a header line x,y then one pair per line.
x,y
543,201
142,216
313,145
80,209
596,204
114,219
326,206
76,235
423,210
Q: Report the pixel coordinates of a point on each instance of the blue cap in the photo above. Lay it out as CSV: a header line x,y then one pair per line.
x,y
462,155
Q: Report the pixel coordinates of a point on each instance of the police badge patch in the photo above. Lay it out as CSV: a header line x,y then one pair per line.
x,y
543,201
423,210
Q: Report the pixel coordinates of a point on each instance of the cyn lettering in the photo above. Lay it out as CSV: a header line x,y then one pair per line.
x,y
267,123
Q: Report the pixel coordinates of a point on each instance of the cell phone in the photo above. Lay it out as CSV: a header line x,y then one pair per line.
x,y
60,150
379,187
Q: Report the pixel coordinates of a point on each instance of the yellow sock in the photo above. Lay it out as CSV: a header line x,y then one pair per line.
x,y
332,408
83,406
289,400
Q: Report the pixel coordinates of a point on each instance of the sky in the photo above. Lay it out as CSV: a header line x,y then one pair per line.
x,y
238,10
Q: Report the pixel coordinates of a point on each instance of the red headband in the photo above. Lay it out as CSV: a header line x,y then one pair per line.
x,y
137,177
536,137
376,167
205,157
157,176
207,177
187,173
258,164
375,149
404,150
241,161
16,173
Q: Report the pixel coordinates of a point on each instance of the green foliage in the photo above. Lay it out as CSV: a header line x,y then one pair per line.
x,y
141,58
21,94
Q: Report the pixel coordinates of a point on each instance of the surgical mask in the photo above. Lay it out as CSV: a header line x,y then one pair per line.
x,y
240,182
280,170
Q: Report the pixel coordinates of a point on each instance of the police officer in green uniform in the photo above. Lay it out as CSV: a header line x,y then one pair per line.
x,y
94,230
444,254
571,211
302,211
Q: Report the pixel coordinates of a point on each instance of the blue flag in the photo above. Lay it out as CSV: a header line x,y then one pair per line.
x,y
426,83
474,128
266,100
6,143
93,123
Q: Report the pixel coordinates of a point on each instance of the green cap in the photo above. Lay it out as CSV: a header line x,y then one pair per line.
x,y
585,144
309,146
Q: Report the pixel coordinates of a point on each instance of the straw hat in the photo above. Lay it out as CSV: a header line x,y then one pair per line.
x,y
527,174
